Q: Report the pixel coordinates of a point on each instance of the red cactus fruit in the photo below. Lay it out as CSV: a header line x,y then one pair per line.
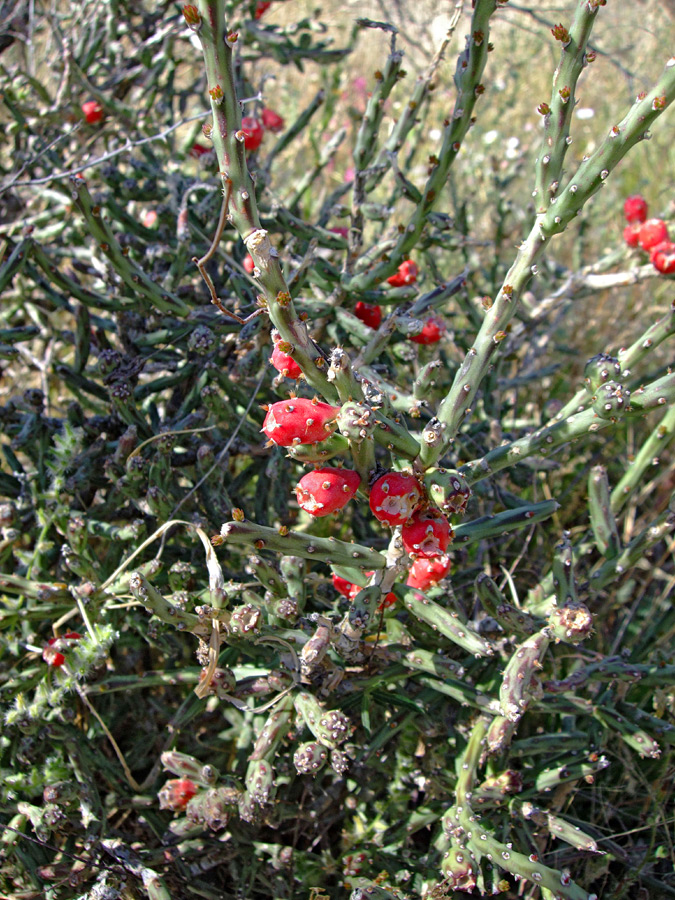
x,y
369,313
342,586
51,652
407,274
284,363
342,230
198,150
427,533
93,111
261,8
664,258
426,572
248,264
299,421
326,490
176,794
272,121
635,208
253,132
652,232
631,234
432,331
393,498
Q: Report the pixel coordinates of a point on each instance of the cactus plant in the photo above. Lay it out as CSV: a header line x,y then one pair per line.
x,y
296,436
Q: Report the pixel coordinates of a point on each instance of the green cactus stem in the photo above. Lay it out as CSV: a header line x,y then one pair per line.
x,y
511,619
366,139
556,826
439,434
515,693
500,523
328,550
153,601
446,622
274,730
228,141
467,79
549,167
136,280
603,522
563,573
462,823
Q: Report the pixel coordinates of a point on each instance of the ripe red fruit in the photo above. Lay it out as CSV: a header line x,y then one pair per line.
x,y
369,313
248,264
426,572
342,230
652,232
253,132
342,586
664,258
635,208
93,111
427,533
432,331
393,498
631,234
198,150
272,121
261,8
51,652
326,490
299,421
407,274
284,363
176,794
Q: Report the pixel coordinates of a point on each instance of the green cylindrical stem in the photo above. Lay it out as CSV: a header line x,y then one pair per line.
x,y
327,550
603,522
228,141
509,520
448,623
557,120
511,619
521,670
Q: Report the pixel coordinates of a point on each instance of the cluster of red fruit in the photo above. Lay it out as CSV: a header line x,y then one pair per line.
x,y
395,498
253,130
649,234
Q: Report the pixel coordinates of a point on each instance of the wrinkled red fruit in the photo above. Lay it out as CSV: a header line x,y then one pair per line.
x,y
177,793
407,274
426,572
326,490
253,132
652,232
51,653
369,313
261,8
635,208
299,421
631,234
272,121
427,533
93,111
393,498
432,331
664,258
284,363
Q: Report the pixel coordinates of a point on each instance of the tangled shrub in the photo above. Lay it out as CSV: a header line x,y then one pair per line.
x,y
351,549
